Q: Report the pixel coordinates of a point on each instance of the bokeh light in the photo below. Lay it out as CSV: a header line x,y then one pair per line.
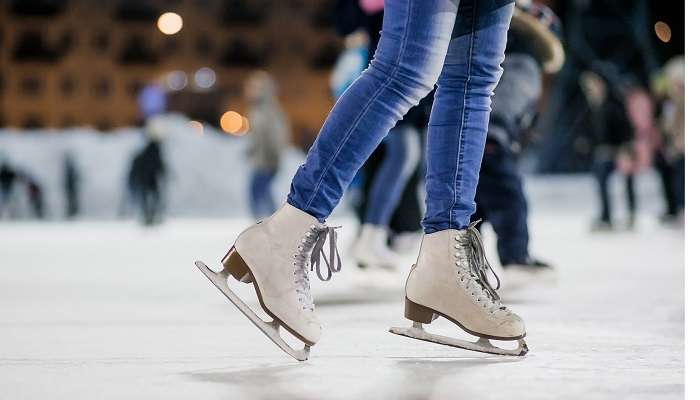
x,y
176,80
231,122
169,23
197,127
663,31
245,127
205,78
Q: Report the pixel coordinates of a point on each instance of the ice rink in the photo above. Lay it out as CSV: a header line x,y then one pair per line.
x,y
110,310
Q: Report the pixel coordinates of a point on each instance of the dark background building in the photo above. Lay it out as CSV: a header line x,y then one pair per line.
x,y
67,63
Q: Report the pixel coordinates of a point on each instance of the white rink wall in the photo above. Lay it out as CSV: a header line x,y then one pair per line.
x,y
207,175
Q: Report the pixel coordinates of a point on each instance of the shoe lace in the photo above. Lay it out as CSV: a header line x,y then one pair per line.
x,y
309,252
473,265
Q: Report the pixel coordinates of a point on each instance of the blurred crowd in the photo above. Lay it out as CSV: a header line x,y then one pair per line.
x,y
635,119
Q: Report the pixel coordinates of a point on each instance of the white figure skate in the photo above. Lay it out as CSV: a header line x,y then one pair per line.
x,y
372,250
274,255
449,280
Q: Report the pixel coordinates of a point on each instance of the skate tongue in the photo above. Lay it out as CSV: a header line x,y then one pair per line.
x,y
479,263
317,252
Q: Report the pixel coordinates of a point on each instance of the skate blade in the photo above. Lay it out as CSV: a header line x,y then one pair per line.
x,y
482,345
270,329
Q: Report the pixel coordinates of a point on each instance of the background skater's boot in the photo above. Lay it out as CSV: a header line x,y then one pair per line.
x,y
527,272
372,249
275,255
449,280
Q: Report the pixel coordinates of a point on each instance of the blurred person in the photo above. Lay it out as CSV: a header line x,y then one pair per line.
x,y
8,177
665,167
147,175
35,194
670,157
534,48
147,172
71,186
621,113
613,31
458,44
269,138
351,62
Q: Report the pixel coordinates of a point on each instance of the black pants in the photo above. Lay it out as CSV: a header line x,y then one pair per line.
x,y
667,173
603,170
151,204
500,201
679,180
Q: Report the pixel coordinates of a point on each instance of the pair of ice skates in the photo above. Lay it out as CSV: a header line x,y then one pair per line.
x,y
448,280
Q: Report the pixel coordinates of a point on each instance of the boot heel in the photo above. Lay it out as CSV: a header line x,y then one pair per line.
x,y
234,264
418,313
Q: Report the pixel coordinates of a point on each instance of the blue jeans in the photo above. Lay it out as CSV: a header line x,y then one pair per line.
x,y
401,156
457,44
261,203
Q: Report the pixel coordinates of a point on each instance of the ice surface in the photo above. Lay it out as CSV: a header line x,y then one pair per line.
x,y
109,310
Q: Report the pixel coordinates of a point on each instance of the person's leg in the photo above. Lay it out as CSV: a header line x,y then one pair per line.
x,y
665,170
602,171
148,205
631,199
450,277
402,154
501,191
400,159
3,199
261,202
406,65
254,194
268,202
460,115
679,181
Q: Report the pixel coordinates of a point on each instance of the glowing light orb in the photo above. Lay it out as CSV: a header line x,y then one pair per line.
x,y
663,31
176,80
231,122
205,78
169,23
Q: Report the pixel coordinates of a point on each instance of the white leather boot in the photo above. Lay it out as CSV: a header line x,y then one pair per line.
x,y
275,254
372,250
449,280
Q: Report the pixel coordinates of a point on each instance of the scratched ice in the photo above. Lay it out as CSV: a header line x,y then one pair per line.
x,y
109,310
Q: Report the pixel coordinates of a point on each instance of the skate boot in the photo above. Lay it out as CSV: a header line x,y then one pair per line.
x,y
372,250
449,280
275,255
